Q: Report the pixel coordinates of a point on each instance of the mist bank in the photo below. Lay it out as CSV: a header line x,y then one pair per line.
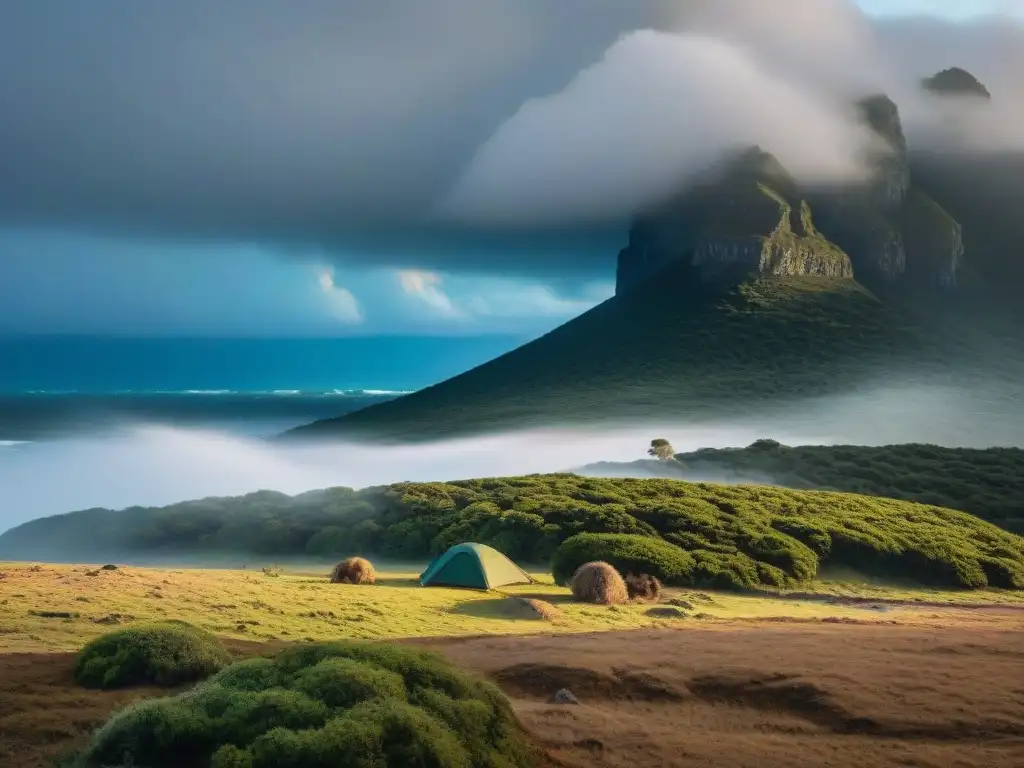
x,y
146,465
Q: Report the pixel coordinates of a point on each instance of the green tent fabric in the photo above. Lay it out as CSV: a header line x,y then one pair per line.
x,y
476,566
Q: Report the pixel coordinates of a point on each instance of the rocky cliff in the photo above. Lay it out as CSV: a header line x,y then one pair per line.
x,y
749,220
752,219
865,220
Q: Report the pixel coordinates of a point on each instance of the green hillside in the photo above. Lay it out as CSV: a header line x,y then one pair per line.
x,y
988,483
736,537
671,348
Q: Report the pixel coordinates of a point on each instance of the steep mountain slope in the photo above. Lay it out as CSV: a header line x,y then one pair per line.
x,y
664,350
745,290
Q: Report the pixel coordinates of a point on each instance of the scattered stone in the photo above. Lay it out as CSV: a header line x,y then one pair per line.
x,y
109,567
564,696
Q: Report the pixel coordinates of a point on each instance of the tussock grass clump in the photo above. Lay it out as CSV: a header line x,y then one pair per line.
x,y
165,654
542,608
599,583
644,588
628,553
354,570
346,703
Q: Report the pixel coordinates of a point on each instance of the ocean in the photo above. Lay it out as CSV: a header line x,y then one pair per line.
x,y
101,423
58,387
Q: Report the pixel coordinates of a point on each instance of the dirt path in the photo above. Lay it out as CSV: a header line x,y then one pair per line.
x,y
786,695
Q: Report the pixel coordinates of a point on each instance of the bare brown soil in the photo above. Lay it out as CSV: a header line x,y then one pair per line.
x,y
944,692
44,714
785,695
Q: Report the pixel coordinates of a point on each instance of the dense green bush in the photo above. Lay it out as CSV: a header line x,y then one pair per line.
x,y
988,483
165,654
349,704
737,536
628,553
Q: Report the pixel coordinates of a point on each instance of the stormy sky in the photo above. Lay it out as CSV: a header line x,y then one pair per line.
x,y
454,166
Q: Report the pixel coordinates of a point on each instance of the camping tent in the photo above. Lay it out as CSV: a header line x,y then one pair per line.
x,y
476,566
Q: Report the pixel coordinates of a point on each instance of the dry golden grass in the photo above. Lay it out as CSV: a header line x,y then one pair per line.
x,y
598,583
60,607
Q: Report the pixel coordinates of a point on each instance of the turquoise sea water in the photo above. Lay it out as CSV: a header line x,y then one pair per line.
x,y
55,386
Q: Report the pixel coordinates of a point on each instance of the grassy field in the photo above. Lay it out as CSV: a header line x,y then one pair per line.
x,y
691,640
49,607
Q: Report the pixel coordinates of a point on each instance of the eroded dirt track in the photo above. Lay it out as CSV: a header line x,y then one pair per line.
x,y
768,695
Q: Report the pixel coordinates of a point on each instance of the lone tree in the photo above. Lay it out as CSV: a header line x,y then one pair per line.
x,y
661,449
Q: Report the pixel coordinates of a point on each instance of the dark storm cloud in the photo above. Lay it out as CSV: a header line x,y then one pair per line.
x,y
358,128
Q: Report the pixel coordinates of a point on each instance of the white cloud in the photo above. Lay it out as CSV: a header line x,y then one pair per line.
x,y
341,303
658,108
492,302
427,287
536,300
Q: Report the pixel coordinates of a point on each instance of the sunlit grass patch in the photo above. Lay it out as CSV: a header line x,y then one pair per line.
x,y
303,606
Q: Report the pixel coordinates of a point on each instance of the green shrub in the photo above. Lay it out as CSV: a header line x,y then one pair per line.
x,y
346,682
628,553
164,654
738,536
334,704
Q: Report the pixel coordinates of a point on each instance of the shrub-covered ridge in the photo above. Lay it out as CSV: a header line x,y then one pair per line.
x,y
349,704
739,536
988,483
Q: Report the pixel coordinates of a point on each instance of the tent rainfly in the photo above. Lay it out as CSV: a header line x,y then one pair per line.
x,y
475,566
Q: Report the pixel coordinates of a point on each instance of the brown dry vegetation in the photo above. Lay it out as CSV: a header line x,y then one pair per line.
x,y
643,587
599,583
353,570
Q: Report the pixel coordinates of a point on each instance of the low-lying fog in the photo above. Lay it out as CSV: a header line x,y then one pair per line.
x,y
158,464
